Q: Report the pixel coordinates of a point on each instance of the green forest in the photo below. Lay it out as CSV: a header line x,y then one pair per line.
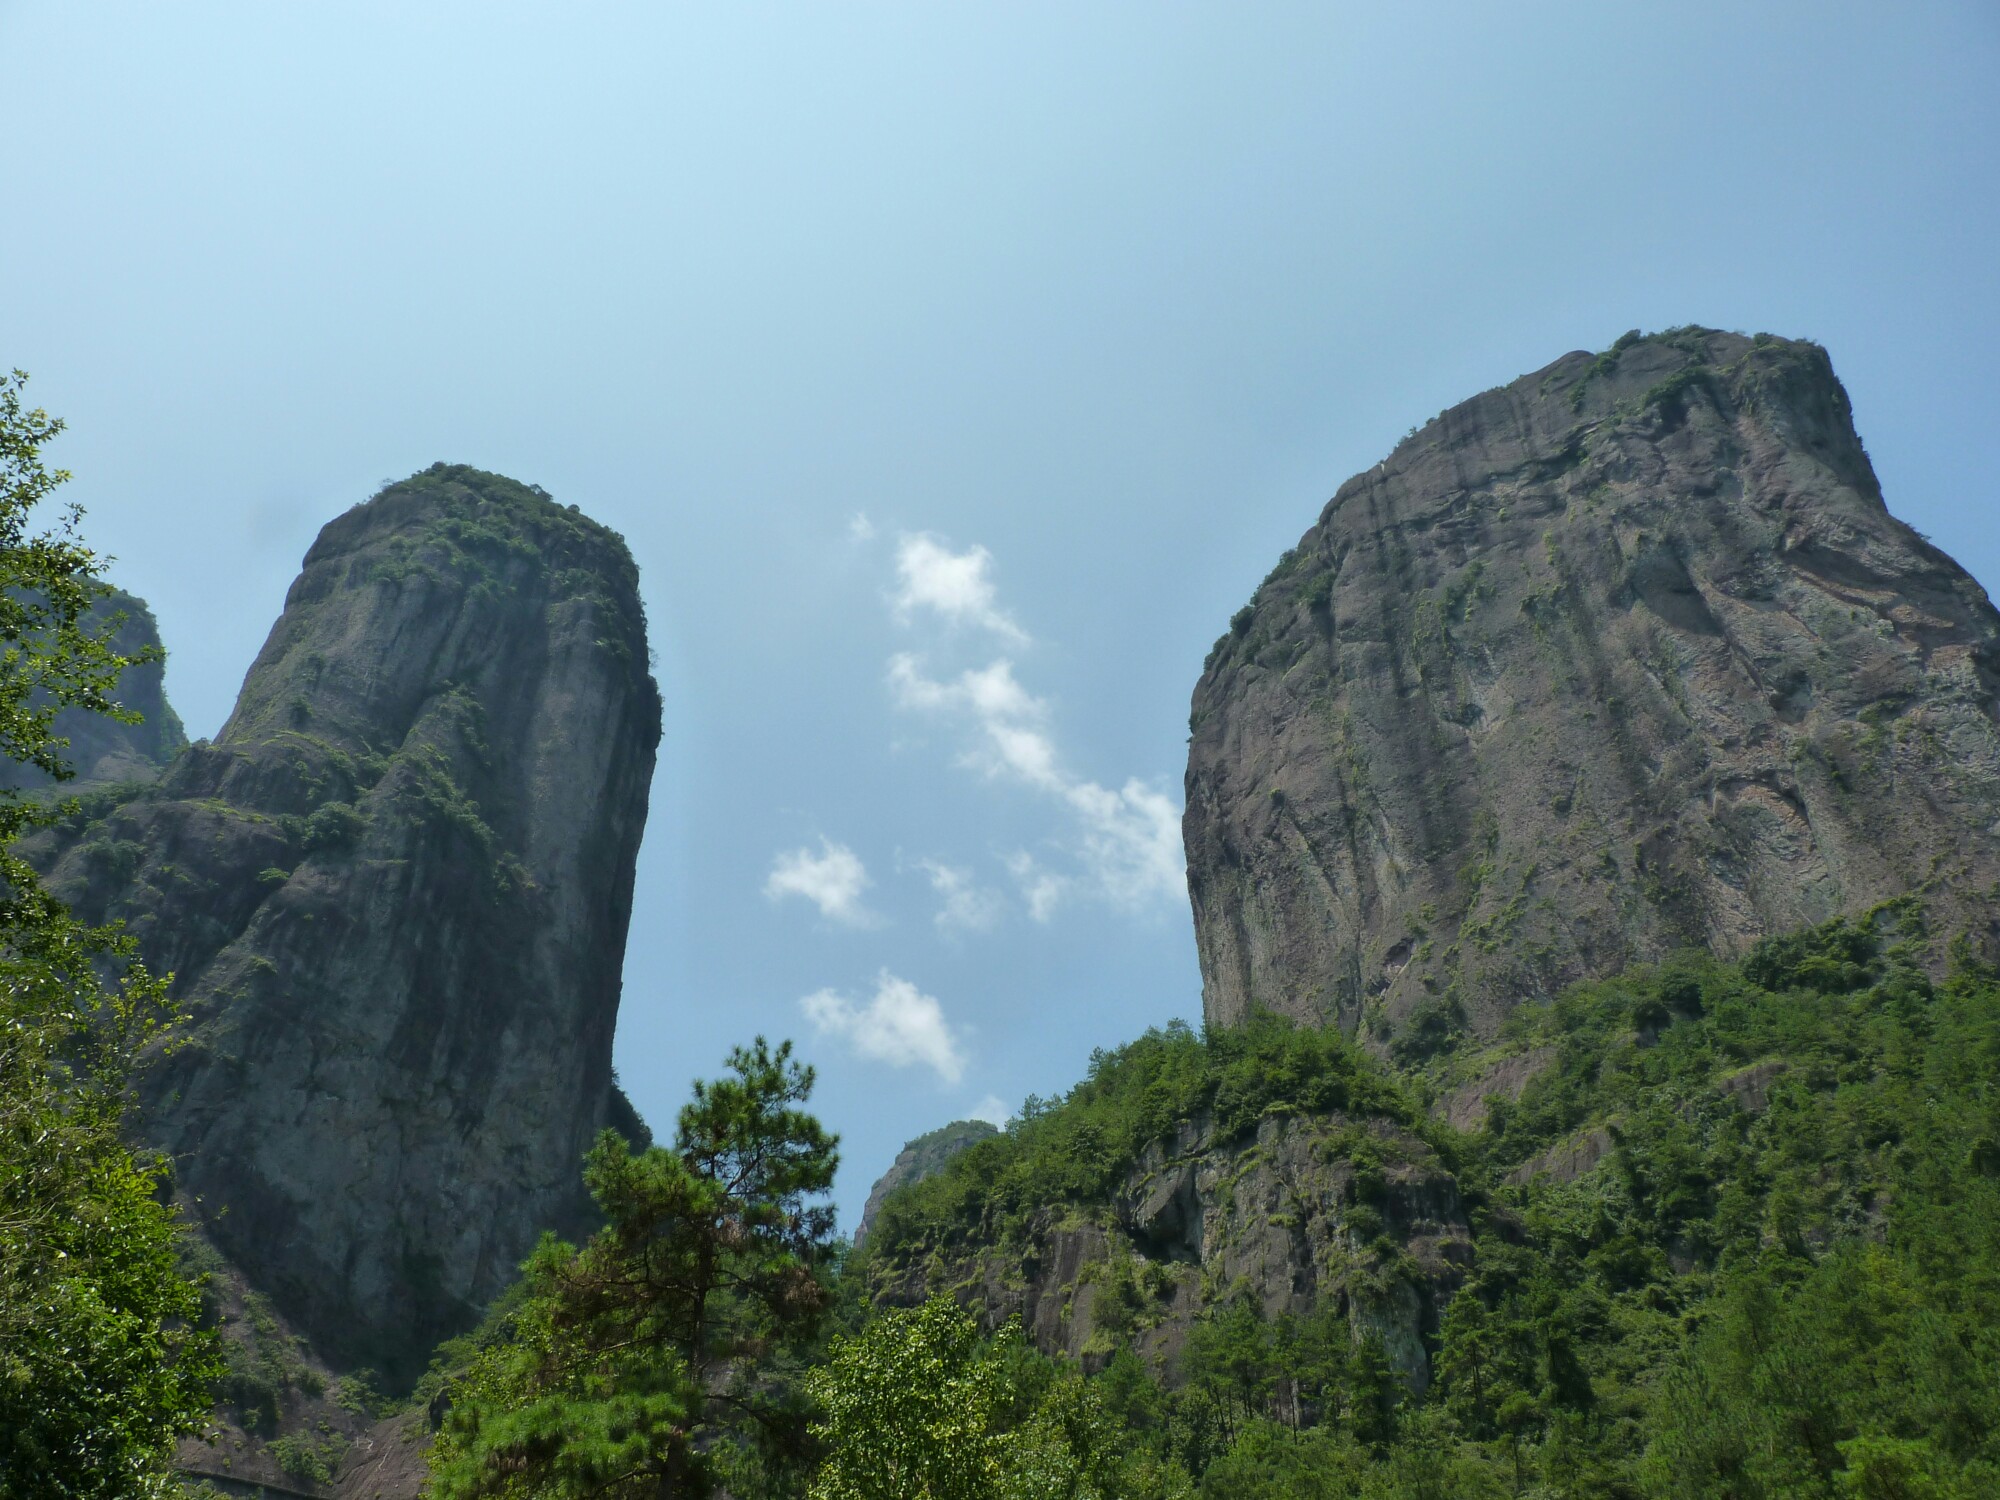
x,y
1799,1300
1782,1279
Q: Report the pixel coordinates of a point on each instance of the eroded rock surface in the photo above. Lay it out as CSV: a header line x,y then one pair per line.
x,y
1624,657
394,893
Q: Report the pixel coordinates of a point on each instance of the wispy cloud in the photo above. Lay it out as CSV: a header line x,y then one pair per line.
x,y
1013,739
993,1110
833,880
1128,838
1042,889
955,586
963,904
1131,841
860,528
901,1026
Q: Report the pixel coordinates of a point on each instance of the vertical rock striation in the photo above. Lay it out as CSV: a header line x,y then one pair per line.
x,y
395,892
1623,657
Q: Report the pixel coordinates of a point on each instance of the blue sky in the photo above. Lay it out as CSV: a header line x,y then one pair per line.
x,y
954,373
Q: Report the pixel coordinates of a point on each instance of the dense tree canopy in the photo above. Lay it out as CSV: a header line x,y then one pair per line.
x,y
641,1364
1782,1279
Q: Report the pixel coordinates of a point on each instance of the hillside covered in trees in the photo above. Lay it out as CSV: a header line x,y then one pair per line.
x,y
1738,1235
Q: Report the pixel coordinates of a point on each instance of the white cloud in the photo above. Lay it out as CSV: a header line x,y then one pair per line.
x,y
1128,839
901,1026
1009,720
832,880
1043,890
965,905
955,585
860,528
1131,841
993,1110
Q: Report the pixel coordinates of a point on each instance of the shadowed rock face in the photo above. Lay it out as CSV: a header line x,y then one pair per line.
x,y
395,893
1623,657
103,751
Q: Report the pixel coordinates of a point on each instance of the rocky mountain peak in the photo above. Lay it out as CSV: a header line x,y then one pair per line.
x,y
394,893
1623,657
923,1157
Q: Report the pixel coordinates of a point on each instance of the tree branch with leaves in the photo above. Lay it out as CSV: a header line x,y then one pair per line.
x,y
635,1366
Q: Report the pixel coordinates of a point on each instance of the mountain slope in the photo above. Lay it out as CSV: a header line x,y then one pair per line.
x,y
1624,657
1628,778
923,1157
1735,1235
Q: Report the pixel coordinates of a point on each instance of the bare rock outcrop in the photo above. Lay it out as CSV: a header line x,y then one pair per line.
x,y
1624,657
394,893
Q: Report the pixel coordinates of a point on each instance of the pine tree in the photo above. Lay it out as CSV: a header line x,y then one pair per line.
x,y
631,1367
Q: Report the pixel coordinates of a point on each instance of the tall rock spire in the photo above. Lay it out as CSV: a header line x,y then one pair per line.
x,y
394,893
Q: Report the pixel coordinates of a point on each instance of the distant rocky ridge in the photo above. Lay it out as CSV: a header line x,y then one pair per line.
x,y
919,1159
394,893
102,751
1623,657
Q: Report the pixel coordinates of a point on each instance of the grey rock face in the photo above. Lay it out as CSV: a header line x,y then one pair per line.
x,y
395,894
103,752
1624,657
920,1159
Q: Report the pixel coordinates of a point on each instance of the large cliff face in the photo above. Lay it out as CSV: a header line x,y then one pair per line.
x,y
394,893
1624,657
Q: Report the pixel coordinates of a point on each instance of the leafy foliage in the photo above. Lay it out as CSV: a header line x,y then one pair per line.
x,y
908,1407
919,1405
101,1369
632,1366
1781,1279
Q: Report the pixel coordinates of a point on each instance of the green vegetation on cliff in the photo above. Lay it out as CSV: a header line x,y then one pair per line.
x,y
1077,1148
1722,1230
923,1157
1738,1234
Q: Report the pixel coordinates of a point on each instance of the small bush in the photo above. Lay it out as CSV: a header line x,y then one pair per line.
x,y
337,825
